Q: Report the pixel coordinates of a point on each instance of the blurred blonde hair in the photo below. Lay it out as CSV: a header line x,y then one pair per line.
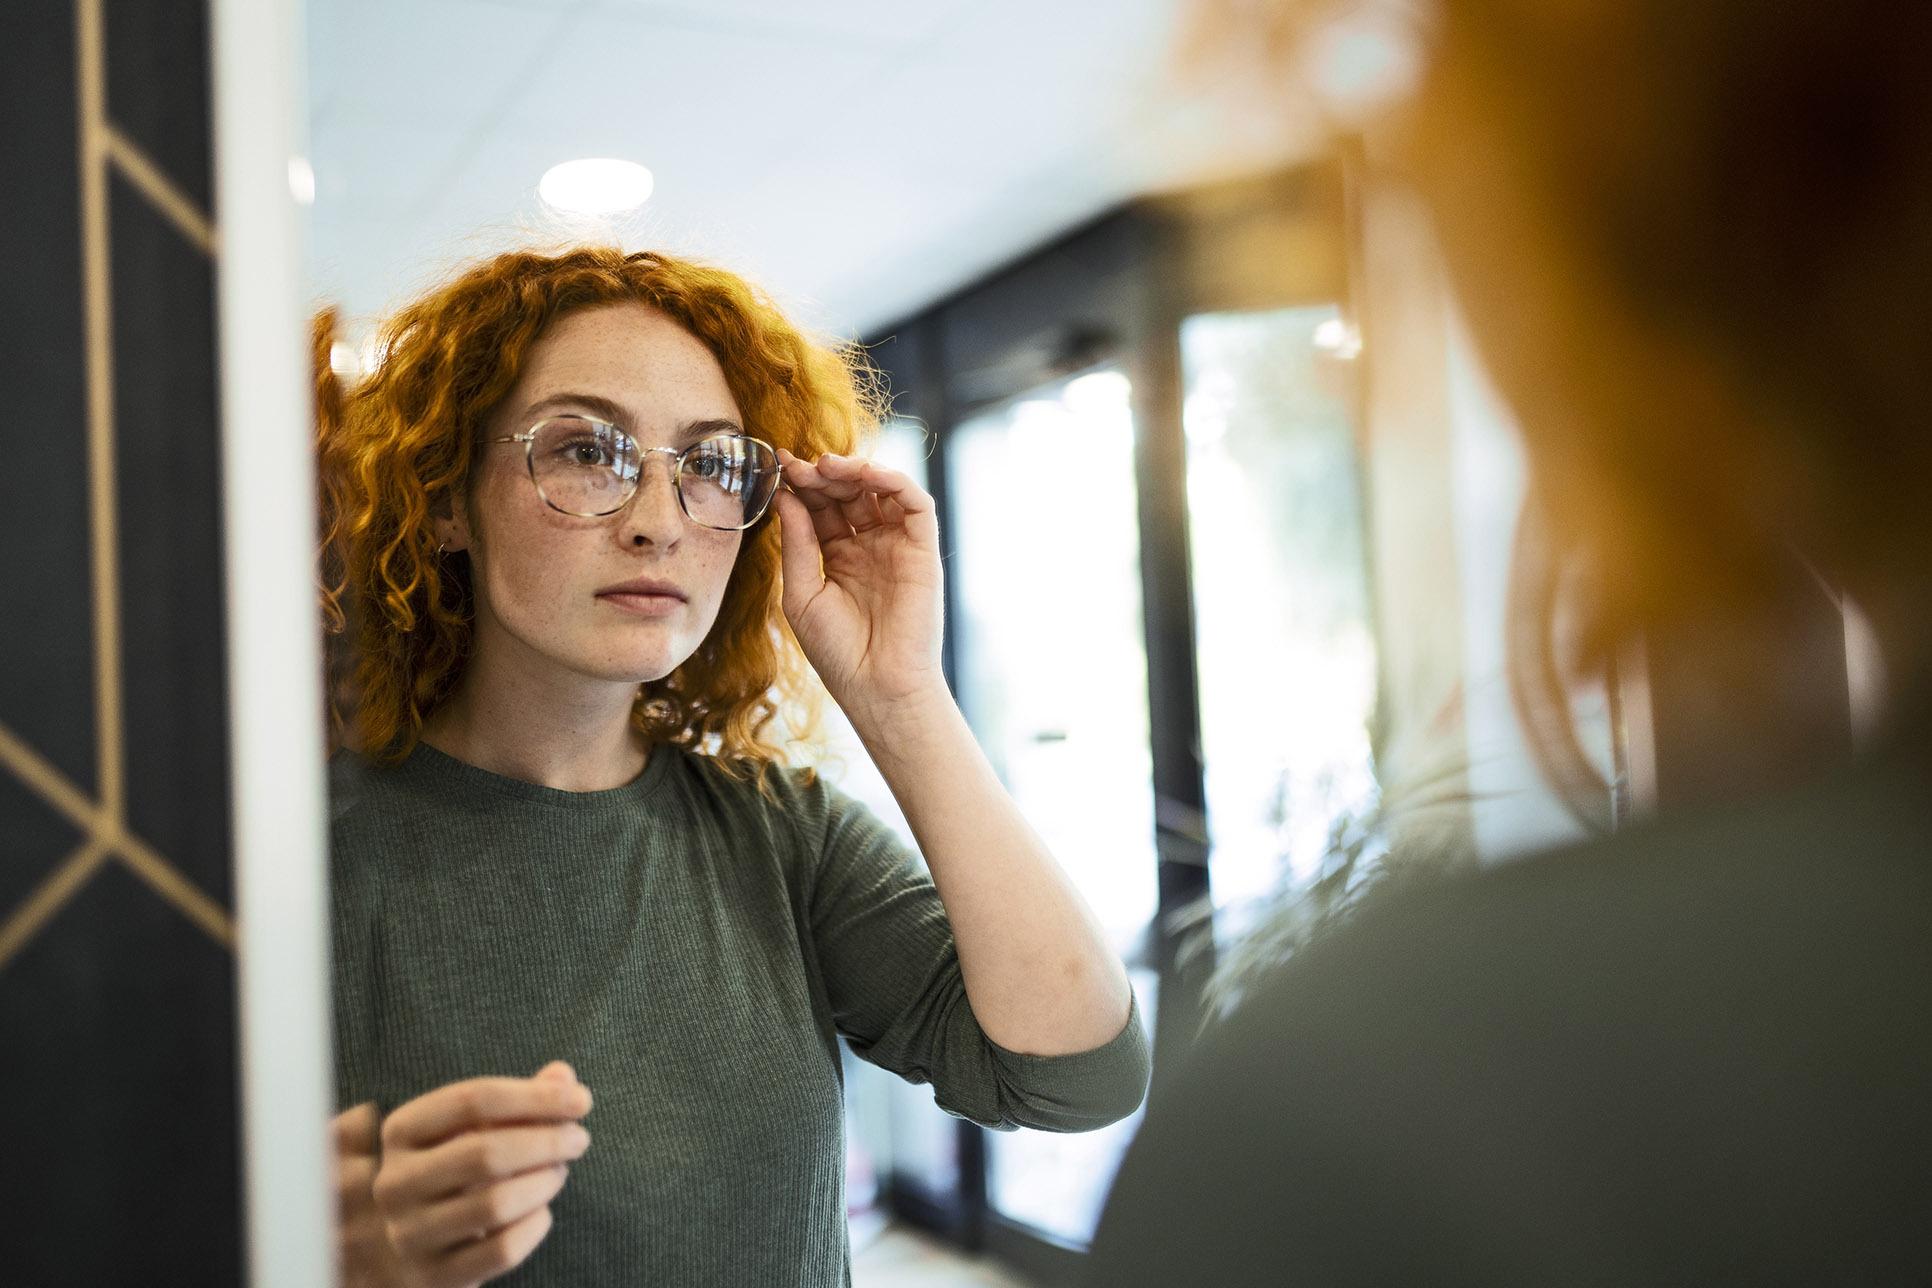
x,y
1748,186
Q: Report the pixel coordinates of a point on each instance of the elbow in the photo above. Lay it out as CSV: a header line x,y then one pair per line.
x,y
1124,1095
1081,1092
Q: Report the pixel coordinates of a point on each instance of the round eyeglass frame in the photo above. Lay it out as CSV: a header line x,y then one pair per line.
x,y
529,440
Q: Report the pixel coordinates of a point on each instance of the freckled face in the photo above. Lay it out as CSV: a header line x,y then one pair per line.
x,y
540,575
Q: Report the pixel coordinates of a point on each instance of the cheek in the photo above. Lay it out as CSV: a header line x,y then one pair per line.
x,y
713,563
527,561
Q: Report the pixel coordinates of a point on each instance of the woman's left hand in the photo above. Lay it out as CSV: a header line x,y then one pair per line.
x,y
862,580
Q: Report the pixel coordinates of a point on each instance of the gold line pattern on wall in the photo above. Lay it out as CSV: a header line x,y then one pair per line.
x,y
96,267
162,192
40,906
105,820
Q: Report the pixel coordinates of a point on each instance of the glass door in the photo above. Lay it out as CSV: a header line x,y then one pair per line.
x,y
1284,637
1053,678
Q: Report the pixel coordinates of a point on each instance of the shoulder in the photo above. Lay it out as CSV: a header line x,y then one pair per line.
x,y
802,800
364,795
765,789
350,775
1740,994
380,818
1753,954
822,839
793,809
366,812
826,836
1690,892
1677,919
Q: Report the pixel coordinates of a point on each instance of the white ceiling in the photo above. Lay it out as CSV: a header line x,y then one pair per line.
x,y
858,158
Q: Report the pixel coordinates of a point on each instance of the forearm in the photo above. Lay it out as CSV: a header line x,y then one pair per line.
x,y
1038,971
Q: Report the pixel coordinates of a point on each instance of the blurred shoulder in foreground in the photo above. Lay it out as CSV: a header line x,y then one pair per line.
x,y
1697,1052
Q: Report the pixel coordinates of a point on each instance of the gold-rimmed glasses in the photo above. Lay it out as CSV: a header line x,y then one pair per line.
x,y
590,468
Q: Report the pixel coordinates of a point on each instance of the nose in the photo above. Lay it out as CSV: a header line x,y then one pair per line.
x,y
653,517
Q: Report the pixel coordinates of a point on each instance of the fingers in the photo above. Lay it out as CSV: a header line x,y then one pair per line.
x,y
460,1189
877,479
861,513
483,1102
843,479
498,1253
355,1130
355,1178
799,550
474,1158
478,1213
801,477
847,495
355,1160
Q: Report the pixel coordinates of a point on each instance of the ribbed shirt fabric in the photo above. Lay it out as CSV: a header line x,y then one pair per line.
x,y
695,949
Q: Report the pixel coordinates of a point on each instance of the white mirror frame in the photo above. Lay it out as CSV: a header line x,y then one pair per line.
x,y
274,645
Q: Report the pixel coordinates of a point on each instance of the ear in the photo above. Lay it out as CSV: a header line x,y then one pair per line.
x,y
450,519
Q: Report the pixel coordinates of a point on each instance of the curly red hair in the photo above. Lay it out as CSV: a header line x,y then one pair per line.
x,y
396,447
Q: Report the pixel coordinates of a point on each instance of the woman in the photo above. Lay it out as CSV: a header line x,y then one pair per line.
x,y
568,858
1694,242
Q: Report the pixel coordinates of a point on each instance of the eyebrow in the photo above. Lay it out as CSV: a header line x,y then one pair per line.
x,y
604,409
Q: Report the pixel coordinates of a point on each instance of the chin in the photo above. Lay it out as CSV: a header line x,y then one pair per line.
x,y
648,667
625,666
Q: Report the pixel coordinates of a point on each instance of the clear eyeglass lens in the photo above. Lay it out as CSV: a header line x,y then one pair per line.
x,y
727,481
583,466
589,468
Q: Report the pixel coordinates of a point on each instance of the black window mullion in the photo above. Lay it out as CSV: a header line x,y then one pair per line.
x,y
1167,606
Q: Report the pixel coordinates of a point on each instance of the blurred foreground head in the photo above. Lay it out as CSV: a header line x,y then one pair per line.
x,y
1695,244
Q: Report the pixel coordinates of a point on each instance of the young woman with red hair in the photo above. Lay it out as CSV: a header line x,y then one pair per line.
x,y
565,839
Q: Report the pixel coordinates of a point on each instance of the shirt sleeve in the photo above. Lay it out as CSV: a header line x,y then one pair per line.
x,y
885,952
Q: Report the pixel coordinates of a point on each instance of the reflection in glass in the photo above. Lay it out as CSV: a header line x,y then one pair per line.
x,y
1284,639
1053,669
1054,681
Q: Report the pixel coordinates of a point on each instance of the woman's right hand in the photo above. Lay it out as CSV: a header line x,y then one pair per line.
x,y
463,1185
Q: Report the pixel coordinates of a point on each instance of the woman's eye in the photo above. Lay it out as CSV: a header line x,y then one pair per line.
x,y
585,452
709,466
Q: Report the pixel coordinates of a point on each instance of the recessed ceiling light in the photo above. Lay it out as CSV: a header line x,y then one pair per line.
x,y
1338,339
301,180
595,186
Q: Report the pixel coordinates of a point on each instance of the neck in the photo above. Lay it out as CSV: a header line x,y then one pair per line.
x,y
522,716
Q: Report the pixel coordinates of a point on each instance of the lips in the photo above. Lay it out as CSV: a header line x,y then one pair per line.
x,y
641,587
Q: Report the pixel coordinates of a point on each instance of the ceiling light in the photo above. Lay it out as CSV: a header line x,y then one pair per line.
x,y
596,186
301,181
1338,339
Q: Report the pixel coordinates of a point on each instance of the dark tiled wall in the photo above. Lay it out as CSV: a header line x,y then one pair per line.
x,y
119,1142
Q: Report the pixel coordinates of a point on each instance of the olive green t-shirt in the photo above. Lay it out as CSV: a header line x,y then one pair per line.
x,y
695,949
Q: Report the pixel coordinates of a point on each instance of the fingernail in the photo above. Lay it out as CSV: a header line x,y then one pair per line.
x,y
576,1137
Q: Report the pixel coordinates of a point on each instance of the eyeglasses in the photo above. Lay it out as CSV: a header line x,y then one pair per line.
x,y
591,468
